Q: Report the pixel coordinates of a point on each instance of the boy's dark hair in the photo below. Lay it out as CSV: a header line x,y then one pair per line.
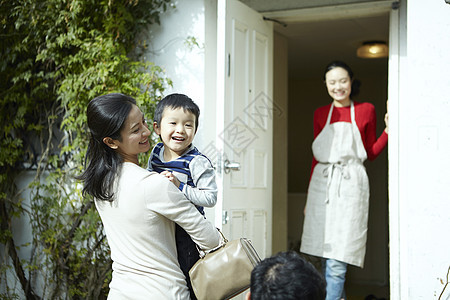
x,y
286,276
175,101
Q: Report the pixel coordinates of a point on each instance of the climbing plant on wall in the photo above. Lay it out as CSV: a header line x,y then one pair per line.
x,y
56,55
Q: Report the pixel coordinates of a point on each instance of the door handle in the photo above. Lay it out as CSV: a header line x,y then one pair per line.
x,y
231,166
224,217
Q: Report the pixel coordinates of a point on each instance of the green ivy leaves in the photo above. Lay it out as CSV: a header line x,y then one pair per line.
x,y
57,55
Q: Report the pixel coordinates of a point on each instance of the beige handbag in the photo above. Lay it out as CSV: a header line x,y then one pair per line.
x,y
225,271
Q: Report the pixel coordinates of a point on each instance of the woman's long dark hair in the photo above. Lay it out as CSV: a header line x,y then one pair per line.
x,y
355,82
106,116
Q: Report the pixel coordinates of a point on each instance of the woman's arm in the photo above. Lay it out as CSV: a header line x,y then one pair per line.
x,y
166,199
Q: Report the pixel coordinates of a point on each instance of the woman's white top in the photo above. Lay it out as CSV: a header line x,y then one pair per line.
x,y
140,227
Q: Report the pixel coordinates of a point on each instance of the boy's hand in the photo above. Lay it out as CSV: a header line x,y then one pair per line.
x,y
172,178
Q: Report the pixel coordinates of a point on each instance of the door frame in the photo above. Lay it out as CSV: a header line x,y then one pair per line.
x,y
397,39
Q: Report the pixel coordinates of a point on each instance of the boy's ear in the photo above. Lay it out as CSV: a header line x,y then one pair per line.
x,y
110,143
156,128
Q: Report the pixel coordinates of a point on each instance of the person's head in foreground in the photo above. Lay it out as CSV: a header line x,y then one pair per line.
x,y
286,276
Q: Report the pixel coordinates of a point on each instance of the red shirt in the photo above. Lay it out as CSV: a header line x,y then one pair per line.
x,y
366,120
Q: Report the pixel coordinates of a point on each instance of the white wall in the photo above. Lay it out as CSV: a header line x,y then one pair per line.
x,y
192,68
183,63
421,119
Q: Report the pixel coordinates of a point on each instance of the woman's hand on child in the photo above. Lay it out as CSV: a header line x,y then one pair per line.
x,y
172,178
386,117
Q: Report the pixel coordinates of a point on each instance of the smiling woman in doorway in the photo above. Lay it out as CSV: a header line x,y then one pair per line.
x,y
337,205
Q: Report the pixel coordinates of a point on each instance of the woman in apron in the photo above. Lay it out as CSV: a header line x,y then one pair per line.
x,y
337,206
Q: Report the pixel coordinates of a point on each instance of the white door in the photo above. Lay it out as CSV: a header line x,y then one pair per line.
x,y
244,124
397,262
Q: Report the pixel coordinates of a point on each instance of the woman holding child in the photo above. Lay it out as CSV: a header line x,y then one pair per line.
x,y
139,209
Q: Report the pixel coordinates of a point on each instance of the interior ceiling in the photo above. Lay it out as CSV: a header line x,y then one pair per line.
x,y
270,5
312,45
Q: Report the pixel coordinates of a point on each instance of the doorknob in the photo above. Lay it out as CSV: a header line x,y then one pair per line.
x,y
231,166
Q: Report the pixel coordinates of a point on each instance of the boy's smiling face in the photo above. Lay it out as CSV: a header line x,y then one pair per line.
x,y
177,130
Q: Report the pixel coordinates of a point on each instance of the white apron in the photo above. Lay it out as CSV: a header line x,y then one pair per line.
x,y
337,205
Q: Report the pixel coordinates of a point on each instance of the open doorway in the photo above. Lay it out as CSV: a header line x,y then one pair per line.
x,y
310,47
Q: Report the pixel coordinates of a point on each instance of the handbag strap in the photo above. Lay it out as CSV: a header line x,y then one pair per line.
x,y
224,238
223,243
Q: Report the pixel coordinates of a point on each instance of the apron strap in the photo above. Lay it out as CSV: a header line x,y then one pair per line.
x,y
329,115
352,112
362,153
330,171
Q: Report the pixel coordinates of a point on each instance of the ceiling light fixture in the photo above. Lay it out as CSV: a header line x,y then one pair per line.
x,y
373,49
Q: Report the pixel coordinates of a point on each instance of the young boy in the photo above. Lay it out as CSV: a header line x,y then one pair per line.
x,y
176,122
